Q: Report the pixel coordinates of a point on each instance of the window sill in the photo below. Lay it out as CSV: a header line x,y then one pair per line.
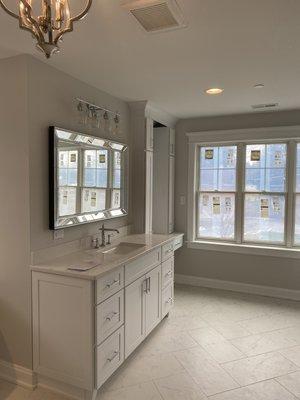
x,y
261,250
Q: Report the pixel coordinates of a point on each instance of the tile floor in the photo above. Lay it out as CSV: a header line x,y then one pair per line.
x,y
215,345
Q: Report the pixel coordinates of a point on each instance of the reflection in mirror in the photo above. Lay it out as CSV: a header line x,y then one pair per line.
x,y
87,179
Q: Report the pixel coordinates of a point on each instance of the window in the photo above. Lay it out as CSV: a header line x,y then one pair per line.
x,y
217,196
264,196
245,193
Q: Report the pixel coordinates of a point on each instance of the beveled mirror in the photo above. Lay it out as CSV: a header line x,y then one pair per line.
x,y
88,178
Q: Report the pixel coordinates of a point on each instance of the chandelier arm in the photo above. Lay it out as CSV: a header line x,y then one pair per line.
x,y
61,33
83,13
36,32
6,9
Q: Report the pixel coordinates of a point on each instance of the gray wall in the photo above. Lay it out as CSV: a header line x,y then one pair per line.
x,y
15,333
258,270
51,101
34,96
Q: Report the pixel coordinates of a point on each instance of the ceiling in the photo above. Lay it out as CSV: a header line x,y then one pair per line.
x,y
233,44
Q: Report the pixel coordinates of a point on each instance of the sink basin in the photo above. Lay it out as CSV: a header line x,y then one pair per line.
x,y
123,248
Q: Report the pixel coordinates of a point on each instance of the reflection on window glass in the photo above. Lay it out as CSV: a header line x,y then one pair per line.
x,y
96,168
264,218
265,167
297,221
218,168
67,168
216,215
93,200
117,157
66,201
116,199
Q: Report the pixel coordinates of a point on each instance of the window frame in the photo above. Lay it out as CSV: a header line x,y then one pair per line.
x,y
290,136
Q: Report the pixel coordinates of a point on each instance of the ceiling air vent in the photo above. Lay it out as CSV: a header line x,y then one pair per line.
x,y
156,15
263,107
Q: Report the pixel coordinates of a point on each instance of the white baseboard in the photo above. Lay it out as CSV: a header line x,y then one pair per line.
x,y
238,287
61,388
18,375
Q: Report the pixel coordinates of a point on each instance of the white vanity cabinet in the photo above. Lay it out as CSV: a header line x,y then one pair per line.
x,y
84,329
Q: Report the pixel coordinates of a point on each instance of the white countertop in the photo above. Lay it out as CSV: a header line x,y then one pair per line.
x,y
61,265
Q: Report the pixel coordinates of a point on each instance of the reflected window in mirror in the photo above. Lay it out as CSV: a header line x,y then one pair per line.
x,y
87,178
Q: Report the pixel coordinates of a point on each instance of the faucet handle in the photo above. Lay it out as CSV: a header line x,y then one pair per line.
x,y
108,239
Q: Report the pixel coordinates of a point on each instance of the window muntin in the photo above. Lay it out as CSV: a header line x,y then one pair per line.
x,y
264,198
216,192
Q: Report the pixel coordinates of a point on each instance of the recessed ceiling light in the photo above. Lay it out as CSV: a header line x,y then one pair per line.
x,y
259,86
214,91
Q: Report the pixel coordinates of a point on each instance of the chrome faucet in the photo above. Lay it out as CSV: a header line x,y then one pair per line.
x,y
103,230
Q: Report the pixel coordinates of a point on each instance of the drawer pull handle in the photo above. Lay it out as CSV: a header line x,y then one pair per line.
x,y
169,251
170,300
111,316
116,353
109,285
170,273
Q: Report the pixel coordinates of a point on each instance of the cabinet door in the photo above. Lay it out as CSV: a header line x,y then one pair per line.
x,y
171,193
153,299
134,314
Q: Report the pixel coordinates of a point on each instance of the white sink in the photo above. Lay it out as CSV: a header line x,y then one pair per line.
x,y
122,249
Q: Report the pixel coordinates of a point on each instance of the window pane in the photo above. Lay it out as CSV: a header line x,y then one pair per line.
x,y
227,157
275,180
117,169
66,201
93,200
264,218
298,180
265,168
116,199
209,157
227,178
276,155
90,177
216,215
255,156
208,179
255,180
297,221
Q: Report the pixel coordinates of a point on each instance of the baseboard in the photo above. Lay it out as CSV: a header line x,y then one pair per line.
x,y
64,389
238,287
18,375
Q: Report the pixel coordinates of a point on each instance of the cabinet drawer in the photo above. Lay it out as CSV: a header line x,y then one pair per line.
x,y
110,284
141,266
109,356
110,316
167,272
167,300
167,251
178,242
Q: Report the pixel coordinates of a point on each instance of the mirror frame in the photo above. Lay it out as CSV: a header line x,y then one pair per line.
x,y
56,222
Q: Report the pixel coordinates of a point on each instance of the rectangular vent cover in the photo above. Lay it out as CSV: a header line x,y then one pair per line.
x,y
156,16
264,106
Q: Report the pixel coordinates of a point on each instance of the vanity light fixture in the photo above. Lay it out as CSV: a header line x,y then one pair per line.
x,y
49,27
214,91
259,86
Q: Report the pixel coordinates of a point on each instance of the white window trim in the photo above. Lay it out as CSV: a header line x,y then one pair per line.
x,y
236,136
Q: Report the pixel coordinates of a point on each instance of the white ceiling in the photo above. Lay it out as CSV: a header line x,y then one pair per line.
x,y
233,44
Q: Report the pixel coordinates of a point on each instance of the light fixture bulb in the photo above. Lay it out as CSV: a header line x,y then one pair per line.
x,y
214,91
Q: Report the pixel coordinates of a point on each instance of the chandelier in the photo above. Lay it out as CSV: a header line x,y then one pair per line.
x,y
49,27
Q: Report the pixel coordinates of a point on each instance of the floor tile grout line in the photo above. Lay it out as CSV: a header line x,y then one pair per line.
x,y
276,379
